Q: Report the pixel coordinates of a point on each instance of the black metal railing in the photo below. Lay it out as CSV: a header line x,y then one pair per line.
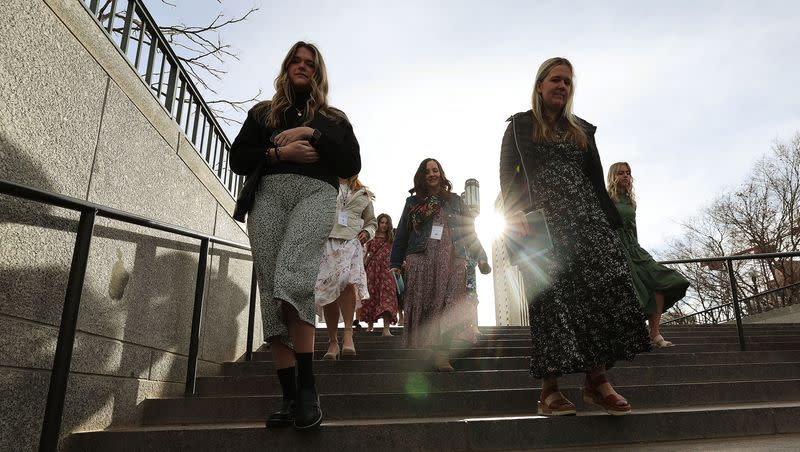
x,y
140,41
54,410
735,302
688,319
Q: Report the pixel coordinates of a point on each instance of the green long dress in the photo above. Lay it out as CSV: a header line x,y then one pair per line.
x,y
649,277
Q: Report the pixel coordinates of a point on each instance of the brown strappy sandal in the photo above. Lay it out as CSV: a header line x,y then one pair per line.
x,y
552,403
610,403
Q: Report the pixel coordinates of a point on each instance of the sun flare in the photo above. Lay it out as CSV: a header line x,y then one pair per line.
x,y
489,225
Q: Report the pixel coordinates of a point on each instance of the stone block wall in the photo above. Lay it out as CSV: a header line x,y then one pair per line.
x,y
76,119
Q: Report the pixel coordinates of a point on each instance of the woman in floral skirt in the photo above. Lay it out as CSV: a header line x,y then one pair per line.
x,y
382,301
435,235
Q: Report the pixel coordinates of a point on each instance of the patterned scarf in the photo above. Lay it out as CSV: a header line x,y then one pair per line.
x,y
424,211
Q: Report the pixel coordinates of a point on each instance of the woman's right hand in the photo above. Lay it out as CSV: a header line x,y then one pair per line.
x,y
395,270
299,152
518,223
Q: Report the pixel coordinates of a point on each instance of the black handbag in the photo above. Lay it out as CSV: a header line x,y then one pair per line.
x,y
247,194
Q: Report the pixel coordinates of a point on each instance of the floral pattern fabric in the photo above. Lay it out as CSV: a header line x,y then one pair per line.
x,y
380,283
584,311
342,264
424,211
436,292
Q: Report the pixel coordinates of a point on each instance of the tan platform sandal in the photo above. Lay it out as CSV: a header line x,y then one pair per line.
x,y
613,404
660,342
348,350
553,403
331,355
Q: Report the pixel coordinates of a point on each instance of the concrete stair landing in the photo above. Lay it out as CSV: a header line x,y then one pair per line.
x,y
389,398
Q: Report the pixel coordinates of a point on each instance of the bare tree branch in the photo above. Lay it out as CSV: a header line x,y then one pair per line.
x,y
200,50
761,215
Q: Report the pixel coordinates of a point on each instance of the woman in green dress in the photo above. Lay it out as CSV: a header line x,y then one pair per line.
x,y
658,287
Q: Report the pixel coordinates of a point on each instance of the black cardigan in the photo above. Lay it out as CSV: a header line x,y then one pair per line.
x,y
338,148
514,185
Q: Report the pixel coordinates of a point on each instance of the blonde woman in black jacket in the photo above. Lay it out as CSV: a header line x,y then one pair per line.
x,y
584,313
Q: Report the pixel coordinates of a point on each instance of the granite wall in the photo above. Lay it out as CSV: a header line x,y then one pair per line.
x,y
76,119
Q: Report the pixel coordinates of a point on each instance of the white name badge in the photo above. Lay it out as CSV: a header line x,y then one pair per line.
x,y
343,218
436,232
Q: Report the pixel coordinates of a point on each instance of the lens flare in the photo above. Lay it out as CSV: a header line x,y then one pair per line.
x,y
417,386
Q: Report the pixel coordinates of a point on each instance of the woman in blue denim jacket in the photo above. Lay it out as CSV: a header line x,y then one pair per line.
x,y
435,235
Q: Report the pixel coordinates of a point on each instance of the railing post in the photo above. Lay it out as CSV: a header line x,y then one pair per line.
x,y
197,315
251,316
126,29
56,394
735,299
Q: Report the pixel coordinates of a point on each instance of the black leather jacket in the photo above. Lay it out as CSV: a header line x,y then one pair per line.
x,y
514,187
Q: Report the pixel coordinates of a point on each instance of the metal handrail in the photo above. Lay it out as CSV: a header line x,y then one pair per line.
x,y
760,294
68,202
735,257
54,409
728,262
177,94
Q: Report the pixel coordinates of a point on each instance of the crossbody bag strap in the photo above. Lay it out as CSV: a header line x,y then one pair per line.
x,y
522,162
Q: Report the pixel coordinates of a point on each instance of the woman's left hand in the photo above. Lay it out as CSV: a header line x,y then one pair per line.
x,y
484,267
292,135
363,236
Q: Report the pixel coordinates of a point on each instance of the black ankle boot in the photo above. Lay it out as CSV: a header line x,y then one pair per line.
x,y
357,325
308,413
284,417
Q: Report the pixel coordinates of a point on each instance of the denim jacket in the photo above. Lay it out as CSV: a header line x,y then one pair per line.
x,y
459,220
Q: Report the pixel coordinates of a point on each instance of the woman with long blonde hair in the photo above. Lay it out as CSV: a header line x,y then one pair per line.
x,y
293,150
658,287
342,281
584,313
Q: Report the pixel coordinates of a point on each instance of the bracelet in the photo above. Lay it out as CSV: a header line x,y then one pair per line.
x,y
277,153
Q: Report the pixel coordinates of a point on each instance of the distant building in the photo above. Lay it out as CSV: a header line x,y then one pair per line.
x,y
511,307
471,195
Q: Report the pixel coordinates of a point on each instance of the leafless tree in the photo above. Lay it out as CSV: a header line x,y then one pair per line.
x,y
201,51
761,215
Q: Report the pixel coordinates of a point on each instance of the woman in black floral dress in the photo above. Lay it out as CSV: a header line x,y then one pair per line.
x,y
584,313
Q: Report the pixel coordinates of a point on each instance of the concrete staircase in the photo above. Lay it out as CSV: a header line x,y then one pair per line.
x,y
388,398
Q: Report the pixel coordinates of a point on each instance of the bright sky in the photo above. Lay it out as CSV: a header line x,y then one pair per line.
x,y
691,93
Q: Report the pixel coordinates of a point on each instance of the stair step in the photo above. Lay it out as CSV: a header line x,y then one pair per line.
x,y
513,363
349,383
418,402
502,351
462,433
397,343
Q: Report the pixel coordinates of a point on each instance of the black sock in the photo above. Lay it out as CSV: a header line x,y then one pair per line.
x,y
288,382
305,370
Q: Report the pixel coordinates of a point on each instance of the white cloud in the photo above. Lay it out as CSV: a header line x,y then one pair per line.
x,y
690,92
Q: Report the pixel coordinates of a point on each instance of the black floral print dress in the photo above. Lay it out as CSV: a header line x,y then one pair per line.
x,y
583,308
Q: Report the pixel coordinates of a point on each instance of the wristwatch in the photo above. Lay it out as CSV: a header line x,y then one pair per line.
x,y
315,136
